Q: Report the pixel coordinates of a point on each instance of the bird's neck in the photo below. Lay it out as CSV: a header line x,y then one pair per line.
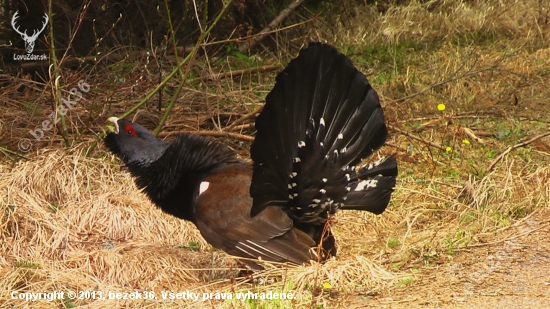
x,y
172,180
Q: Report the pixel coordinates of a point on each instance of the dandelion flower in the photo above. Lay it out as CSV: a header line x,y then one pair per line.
x,y
440,107
465,141
448,149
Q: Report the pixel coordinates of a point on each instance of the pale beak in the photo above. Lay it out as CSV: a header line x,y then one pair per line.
x,y
115,121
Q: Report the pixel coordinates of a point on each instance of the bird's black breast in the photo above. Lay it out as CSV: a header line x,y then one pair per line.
x,y
172,181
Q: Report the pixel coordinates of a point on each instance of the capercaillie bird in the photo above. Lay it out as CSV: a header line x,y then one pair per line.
x,y
319,121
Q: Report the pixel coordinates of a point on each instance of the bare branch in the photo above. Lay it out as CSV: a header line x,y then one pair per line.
x,y
244,47
245,117
416,137
265,68
522,144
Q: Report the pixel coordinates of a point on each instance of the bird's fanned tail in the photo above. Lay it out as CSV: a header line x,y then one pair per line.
x,y
320,120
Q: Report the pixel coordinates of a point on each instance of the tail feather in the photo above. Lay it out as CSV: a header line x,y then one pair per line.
x,y
364,142
370,187
320,120
372,195
386,167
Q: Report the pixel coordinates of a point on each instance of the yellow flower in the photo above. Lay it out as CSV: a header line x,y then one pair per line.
x,y
440,107
465,141
448,149
327,285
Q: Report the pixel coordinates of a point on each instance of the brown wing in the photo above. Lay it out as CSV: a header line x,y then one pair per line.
x,y
225,222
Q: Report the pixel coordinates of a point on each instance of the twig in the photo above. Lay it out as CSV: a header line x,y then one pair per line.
x,y
226,134
522,144
243,38
416,138
265,68
6,151
244,47
480,115
429,123
473,136
212,133
243,127
245,117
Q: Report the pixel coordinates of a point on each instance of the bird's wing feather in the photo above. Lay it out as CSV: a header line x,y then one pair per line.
x,y
225,221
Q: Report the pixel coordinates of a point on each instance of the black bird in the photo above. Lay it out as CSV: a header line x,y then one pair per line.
x,y
319,121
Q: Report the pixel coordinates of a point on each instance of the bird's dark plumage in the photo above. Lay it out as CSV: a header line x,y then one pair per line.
x,y
319,121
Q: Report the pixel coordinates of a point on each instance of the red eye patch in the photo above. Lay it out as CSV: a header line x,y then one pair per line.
x,y
130,130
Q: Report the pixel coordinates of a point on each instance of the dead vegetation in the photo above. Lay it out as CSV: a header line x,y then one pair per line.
x,y
71,222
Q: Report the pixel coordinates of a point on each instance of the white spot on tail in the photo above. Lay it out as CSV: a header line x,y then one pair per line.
x,y
325,180
297,159
373,164
347,177
365,184
323,191
203,187
301,144
340,136
316,200
343,150
322,122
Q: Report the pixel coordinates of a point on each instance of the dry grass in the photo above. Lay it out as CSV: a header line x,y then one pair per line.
x,y
73,223
444,20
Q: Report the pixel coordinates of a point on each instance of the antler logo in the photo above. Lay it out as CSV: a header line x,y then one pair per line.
x,y
29,40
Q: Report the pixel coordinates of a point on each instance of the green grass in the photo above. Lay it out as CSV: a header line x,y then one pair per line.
x,y
393,243
273,296
405,282
26,264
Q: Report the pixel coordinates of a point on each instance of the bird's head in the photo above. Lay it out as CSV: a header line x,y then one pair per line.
x,y
132,143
